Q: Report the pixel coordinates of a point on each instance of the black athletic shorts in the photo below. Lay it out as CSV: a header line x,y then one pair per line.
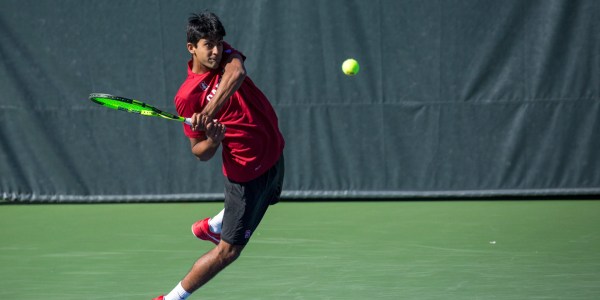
x,y
247,202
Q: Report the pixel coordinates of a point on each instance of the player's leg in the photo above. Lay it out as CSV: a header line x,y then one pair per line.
x,y
210,264
245,206
205,268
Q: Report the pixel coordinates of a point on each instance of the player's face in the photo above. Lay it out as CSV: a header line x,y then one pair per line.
x,y
207,53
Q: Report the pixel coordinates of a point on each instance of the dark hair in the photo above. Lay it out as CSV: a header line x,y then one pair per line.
x,y
205,25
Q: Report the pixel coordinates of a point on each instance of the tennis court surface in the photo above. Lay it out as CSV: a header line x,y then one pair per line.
x,y
317,250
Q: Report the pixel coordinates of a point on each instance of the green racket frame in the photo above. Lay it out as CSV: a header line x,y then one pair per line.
x,y
134,106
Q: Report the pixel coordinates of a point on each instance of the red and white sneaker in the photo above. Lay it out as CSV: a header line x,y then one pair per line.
x,y
159,298
200,230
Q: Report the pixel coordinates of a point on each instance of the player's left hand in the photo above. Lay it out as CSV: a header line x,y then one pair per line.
x,y
215,131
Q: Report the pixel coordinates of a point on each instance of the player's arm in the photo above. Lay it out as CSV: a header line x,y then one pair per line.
x,y
233,76
205,148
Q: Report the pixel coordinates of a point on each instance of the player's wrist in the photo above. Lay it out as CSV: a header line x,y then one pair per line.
x,y
213,142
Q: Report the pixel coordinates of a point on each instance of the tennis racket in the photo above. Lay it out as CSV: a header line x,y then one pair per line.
x,y
134,106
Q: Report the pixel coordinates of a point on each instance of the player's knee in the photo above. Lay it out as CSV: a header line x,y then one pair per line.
x,y
229,253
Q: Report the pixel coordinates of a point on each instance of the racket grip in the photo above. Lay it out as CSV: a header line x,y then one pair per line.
x,y
189,121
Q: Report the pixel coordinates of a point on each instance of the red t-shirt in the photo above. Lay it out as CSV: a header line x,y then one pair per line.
x,y
253,142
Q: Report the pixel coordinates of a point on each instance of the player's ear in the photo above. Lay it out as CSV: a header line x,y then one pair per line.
x,y
191,48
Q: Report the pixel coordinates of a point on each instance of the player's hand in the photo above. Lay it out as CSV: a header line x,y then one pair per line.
x,y
200,121
197,124
215,131
206,119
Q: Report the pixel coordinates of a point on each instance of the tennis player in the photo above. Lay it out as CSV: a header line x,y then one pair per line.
x,y
230,112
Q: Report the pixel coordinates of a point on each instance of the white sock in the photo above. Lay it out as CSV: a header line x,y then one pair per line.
x,y
216,222
178,293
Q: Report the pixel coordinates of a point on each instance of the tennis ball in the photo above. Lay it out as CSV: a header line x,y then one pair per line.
x,y
350,67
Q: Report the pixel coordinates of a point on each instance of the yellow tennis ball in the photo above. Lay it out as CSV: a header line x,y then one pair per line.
x,y
350,67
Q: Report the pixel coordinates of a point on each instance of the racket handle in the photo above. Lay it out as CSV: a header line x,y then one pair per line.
x,y
189,121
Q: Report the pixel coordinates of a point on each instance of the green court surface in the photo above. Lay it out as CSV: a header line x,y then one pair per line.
x,y
317,250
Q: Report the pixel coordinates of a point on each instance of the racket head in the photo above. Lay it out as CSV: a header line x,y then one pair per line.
x,y
133,106
124,104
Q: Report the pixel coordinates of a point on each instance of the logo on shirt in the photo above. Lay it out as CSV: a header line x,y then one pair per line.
x,y
212,93
203,85
247,234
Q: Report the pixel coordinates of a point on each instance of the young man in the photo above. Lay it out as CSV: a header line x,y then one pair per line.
x,y
227,110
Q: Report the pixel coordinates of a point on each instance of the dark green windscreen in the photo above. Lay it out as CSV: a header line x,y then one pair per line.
x,y
453,98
